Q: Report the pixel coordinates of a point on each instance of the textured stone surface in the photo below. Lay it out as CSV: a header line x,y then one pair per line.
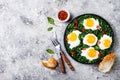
x,y
24,38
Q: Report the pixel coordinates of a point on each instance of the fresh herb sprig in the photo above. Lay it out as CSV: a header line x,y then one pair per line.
x,y
50,29
50,51
51,21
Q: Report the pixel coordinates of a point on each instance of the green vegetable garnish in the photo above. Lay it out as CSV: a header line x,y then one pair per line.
x,y
50,28
51,20
50,51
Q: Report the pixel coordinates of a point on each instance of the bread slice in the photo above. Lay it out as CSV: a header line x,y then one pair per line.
x,y
51,63
107,63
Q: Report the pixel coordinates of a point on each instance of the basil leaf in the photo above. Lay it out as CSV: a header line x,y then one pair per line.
x,y
51,20
50,51
50,28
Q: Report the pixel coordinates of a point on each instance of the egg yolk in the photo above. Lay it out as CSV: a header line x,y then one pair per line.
x,y
91,39
89,22
91,53
72,37
107,43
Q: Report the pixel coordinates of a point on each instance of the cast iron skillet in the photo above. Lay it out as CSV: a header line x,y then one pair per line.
x,y
108,50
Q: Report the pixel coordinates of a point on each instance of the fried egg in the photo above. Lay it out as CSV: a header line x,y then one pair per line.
x,y
90,39
91,23
90,53
105,42
73,39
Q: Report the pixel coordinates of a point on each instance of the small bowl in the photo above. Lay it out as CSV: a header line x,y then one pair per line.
x,y
63,15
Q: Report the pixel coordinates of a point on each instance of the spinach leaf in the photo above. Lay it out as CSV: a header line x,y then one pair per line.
x,y
51,20
50,29
50,51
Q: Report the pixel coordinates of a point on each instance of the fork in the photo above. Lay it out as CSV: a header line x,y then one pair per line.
x,y
57,46
61,54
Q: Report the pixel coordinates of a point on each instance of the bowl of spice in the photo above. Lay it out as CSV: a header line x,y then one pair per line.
x,y
63,15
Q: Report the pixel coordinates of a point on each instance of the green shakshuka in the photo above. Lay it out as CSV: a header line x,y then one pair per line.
x,y
88,38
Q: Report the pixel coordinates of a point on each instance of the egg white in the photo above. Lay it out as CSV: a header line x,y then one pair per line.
x,y
89,44
94,27
76,42
101,45
85,54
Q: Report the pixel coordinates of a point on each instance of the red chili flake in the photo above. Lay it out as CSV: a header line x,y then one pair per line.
x,y
75,27
98,27
83,48
66,39
103,31
73,52
83,30
98,42
99,54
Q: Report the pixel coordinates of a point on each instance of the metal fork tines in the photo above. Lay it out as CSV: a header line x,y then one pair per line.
x,y
55,42
57,46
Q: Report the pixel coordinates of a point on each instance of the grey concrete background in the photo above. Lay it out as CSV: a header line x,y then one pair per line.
x,y
24,38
